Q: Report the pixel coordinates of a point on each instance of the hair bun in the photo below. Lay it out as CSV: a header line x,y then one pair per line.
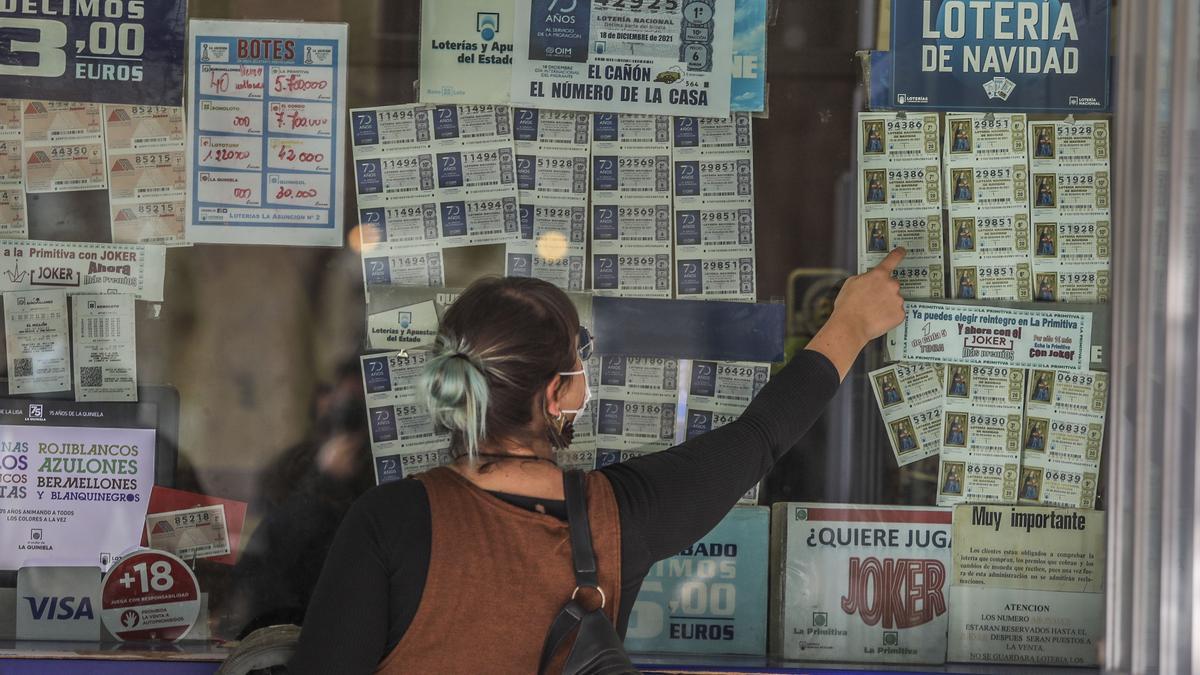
x,y
455,385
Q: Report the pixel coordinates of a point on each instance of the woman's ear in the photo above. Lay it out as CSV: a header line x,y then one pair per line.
x,y
552,406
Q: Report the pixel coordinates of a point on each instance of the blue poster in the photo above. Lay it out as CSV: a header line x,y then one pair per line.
x,y
1019,56
749,56
265,122
712,597
103,51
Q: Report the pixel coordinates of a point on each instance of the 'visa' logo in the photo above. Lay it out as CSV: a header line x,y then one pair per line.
x,y
68,607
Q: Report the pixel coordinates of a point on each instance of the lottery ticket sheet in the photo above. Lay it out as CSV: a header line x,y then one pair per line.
x,y
147,174
1063,437
714,208
981,444
631,206
986,156
911,401
104,344
900,199
430,178
14,223
403,438
39,351
1072,226
553,167
63,148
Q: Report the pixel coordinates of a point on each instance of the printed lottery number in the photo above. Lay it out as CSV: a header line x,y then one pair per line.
x,y
631,5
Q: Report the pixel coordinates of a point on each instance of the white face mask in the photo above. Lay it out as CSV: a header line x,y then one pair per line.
x,y
587,392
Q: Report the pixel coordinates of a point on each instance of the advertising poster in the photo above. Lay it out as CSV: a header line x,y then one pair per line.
x,y
860,583
711,598
118,51
670,58
77,480
266,120
1027,585
83,268
466,51
995,336
749,57
1026,55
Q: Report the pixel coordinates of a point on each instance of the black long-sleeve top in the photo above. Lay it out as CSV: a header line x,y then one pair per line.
x,y
375,572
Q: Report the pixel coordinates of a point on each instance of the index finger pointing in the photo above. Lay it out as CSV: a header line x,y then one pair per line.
x,y
892,261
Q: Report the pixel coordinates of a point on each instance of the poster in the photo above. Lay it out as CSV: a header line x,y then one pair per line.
x,y
82,477
147,173
1027,55
1027,585
711,598
83,268
749,57
899,199
466,51
668,58
14,223
860,583
104,344
129,51
265,126
995,336
37,341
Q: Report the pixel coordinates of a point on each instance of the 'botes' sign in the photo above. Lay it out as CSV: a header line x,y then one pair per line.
x,y
1019,55
97,51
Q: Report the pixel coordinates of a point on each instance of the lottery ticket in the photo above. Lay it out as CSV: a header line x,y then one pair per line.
x,y
714,180
891,139
582,459
12,112
1044,481
397,224
608,456
1065,193
723,385
64,167
628,273
988,185
992,281
405,266
58,122
200,532
631,423
547,129
10,158
1081,284
920,234
712,229
105,347
911,400
407,463
989,236
1060,393
1069,144
972,138
14,221
717,276
553,245
393,377
639,377
39,352
472,124
1073,242
483,220
476,169
886,191
147,173
981,448
636,174
702,137
552,175
381,131
133,128
612,132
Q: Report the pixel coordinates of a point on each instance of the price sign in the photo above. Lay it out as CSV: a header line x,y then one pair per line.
x,y
110,51
149,595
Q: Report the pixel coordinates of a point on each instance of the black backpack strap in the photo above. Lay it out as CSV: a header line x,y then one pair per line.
x,y
564,625
582,554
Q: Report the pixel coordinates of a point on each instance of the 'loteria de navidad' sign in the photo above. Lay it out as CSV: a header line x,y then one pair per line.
x,y
1018,55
